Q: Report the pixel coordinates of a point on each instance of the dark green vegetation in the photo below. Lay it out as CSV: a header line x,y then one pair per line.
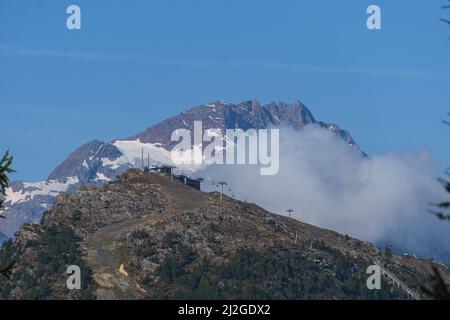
x,y
276,272
43,264
443,207
438,288
5,169
265,275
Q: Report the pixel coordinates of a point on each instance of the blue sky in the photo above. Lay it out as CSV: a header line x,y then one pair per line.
x,y
135,63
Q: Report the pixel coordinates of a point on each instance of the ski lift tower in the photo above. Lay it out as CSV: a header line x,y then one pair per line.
x,y
221,183
289,211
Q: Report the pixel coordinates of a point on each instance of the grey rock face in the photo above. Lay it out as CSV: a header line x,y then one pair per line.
x,y
86,161
245,115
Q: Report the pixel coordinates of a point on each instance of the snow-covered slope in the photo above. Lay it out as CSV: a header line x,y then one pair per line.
x,y
25,201
132,153
29,190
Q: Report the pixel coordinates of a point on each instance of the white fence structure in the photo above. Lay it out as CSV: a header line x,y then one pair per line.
x,y
396,282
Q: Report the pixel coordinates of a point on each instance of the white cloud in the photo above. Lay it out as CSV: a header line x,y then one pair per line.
x,y
383,199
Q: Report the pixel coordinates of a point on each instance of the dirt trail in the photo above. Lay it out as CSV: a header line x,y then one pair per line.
x,y
106,255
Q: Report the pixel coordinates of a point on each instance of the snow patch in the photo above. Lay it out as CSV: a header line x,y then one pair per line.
x,y
213,133
115,164
132,151
102,177
213,119
43,188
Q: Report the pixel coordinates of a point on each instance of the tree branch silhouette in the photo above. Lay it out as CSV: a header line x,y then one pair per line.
x,y
5,169
440,289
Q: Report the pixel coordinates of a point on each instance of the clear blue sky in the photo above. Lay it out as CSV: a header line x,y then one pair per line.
x,y
137,62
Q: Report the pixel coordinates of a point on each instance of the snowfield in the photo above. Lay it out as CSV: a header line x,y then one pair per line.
x,y
33,189
132,151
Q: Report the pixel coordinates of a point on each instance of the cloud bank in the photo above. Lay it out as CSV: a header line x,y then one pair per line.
x,y
384,199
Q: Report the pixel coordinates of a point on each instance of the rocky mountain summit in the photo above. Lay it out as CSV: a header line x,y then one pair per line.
x,y
144,236
98,162
245,115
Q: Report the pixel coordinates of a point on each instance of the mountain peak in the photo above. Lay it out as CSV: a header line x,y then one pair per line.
x,y
249,114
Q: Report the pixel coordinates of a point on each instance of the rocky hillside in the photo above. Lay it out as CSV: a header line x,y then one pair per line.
x,y
97,162
94,163
144,236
